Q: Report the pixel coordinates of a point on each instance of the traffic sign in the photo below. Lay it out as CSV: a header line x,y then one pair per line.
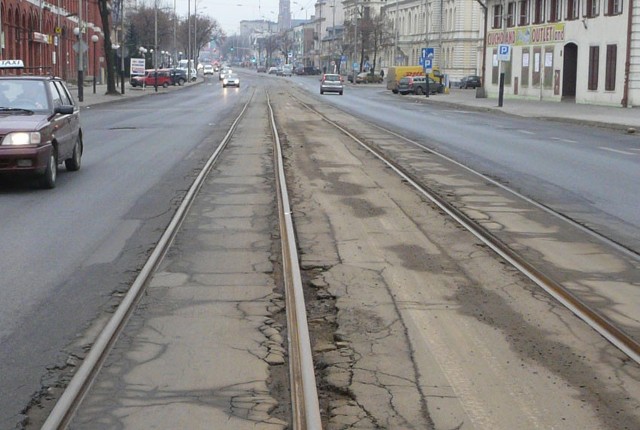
x,y
427,59
504,52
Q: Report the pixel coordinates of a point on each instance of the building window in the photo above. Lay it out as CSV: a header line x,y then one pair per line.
x,y
511,14
594,54
614,7
555,10
538,11
573,8
523,10
497,16
610,72
592,8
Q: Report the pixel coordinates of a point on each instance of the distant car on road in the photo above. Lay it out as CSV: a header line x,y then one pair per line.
x,y
331,83
40,128
273,71
471,81
231,80
207,69
261,69
287,70
224,72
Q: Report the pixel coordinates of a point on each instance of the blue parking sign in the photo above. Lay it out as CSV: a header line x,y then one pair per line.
x,y
427,58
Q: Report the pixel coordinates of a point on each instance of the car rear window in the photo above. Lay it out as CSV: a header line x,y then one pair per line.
x,y
331,77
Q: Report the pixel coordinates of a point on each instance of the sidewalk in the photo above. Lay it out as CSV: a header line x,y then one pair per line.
x,y
601,116
100,96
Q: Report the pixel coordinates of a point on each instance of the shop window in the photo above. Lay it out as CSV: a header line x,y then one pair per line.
x,y
594,59
523,12
524,78
573,9
610,71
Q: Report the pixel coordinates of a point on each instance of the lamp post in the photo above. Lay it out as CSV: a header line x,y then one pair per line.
x,y
78,33
94,39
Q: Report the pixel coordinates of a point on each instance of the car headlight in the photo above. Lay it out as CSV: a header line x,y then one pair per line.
x,y
224,81
18,138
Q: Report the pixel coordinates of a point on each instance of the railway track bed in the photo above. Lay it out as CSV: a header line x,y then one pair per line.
x,y
413,322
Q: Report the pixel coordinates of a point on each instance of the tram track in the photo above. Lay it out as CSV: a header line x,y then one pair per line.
x,y
304,401
595,319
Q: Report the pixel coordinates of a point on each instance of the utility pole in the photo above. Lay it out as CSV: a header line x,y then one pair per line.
x,y
80,55
189,41
355,45
395,48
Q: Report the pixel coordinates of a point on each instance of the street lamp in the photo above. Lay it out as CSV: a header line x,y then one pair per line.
x,y
94,39
77,33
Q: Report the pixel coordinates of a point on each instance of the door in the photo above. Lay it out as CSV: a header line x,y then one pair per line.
x,y
569,71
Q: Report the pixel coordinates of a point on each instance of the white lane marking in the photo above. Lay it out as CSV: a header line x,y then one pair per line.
x,y
616,151
526,132
560,139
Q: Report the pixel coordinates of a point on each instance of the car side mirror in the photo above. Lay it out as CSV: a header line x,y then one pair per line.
x,y
64,109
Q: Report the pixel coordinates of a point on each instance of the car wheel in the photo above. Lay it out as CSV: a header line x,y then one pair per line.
x,y
394,91
48,179
165,85
340,92
73,164
321,92
419,91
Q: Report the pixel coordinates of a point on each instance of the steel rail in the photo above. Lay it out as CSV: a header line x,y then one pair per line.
x,y
598,322
304,396
65,408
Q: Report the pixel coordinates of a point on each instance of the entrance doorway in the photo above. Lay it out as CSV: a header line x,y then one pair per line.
x,y
569,71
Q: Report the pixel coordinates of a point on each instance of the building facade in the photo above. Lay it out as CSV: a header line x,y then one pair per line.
x,y
41,34
454,28
585,51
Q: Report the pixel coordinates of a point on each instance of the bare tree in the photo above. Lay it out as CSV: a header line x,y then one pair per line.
x,y
105,16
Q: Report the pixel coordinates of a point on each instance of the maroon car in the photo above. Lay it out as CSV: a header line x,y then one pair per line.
x,y
39,128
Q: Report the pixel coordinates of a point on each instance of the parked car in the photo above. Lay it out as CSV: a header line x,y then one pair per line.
x,y
365,78
471,81
40,128
261,69
231,80
311,70
273,70
151,78
207,69
418,85
178,76
331,83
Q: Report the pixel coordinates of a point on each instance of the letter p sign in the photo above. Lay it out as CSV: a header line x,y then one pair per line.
x,y
504,52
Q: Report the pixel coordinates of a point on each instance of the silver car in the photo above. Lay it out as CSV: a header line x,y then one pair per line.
x,y
331,83
231,80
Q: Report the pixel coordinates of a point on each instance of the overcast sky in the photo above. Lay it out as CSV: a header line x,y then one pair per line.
x,y
229,13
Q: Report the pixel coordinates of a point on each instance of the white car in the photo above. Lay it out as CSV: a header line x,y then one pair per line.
x,y
207,69
231,80
223,73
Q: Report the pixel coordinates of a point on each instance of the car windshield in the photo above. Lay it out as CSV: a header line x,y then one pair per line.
x,y
23,94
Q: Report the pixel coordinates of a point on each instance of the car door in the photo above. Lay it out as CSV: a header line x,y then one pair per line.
x,y
66,126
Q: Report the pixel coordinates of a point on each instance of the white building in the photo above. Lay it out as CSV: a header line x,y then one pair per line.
x,y
573,50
